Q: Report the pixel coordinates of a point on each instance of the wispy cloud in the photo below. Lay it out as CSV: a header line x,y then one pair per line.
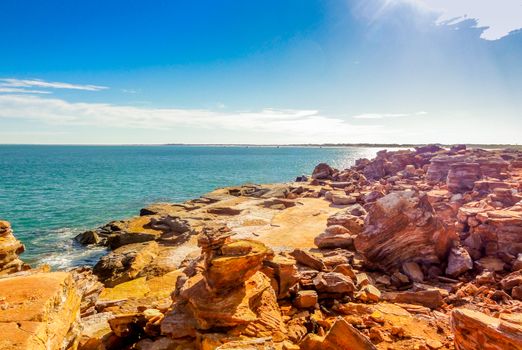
x,y
387,115
21,91
498,18
305,123
28,83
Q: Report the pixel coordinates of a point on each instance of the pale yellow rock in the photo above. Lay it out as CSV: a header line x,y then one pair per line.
x,y
39,311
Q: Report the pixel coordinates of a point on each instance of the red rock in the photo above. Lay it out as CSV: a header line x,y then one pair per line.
x,y
345,218
462,176
305,299
287,275
322,171
305,258
459,262
413,271
10,248
342,336
475,330
335,236
400,227
333,282
431,298
503,228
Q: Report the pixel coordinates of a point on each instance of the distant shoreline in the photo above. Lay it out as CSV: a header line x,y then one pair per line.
x,y
311,145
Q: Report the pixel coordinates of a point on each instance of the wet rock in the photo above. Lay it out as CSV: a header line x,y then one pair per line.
x,y
322,171
88,238
125,263
475,330
401,227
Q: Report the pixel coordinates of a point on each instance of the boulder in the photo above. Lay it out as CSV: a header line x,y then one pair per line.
x,y
459,262
334,283
474,330
335,236
305,299
39,311
285,273
503,228
237,262
308,259
341,199
348,219
10,248
402,227
431,297
125,263
230,292
341,336
462,176
322,171
413,271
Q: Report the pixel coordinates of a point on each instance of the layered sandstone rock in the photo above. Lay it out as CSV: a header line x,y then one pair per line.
x,y
503,229
462,176
10,248
39,311
230,292
475,330
402,227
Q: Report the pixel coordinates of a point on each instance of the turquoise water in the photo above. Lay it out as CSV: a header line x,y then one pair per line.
x,y
51,193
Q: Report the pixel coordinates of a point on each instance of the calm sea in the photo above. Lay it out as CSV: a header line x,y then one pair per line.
x,y
51,193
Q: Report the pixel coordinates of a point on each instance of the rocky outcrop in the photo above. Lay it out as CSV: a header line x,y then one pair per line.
x,y
10,248
125,263
401,227
229,293
400,242
322,171
475,330
462,176
39,311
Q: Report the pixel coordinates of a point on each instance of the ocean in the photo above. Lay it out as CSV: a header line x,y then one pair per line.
x,y
51,193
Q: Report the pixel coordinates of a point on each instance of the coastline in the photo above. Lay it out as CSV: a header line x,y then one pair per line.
x,y
320,145
314,251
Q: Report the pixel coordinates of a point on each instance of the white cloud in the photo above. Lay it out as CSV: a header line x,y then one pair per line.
x,y
22,91
26,83
498,17
309,124
387,115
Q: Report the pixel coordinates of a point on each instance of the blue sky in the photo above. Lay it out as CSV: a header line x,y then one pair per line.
x,y
261,71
